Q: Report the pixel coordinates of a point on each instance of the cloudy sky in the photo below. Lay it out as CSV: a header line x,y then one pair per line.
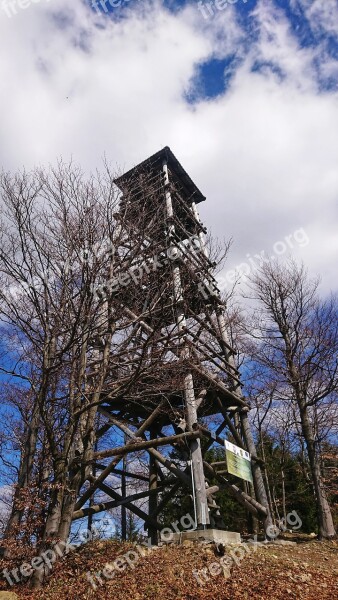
x,y
246,96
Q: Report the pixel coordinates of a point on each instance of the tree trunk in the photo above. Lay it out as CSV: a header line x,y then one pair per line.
x,y
266,476
283,495
25,471
256,472
52,523
324,516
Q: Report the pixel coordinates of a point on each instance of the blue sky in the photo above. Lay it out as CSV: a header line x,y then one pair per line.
x,y
213,77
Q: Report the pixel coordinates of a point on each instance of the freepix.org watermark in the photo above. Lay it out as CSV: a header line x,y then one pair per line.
x,y
45,560
135,273
11,7
298,238
236,554
106,5
209,8
130,559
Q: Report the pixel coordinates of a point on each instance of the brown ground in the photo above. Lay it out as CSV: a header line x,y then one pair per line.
x,y
306,571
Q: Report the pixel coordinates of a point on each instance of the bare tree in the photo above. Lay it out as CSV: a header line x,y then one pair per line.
x,y
297,348
66,334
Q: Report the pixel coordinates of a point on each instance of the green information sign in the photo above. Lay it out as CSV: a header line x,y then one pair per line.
x,y
238,461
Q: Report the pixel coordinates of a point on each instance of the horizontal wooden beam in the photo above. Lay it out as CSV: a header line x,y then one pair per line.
x,y
97,508
144,445
131,475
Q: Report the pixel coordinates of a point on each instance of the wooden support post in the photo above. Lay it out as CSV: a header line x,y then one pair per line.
x,y
198,479
199,486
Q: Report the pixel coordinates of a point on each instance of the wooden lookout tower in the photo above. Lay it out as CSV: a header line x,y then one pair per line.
x,y
175,319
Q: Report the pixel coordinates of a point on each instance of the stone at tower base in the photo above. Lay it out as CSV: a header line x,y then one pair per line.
x,y
206,535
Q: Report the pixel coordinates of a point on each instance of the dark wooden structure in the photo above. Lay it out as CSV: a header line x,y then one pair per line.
x,y
174,316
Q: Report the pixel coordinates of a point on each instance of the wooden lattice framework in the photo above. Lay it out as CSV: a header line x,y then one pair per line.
x,y
173,307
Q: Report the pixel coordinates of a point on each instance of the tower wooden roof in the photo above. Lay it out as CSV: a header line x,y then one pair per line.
x,y
154,163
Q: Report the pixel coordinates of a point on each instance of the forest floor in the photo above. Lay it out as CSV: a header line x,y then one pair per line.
x,y
307,570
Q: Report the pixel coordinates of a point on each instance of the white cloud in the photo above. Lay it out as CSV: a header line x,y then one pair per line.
x,y
322,14
265,152
277,46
